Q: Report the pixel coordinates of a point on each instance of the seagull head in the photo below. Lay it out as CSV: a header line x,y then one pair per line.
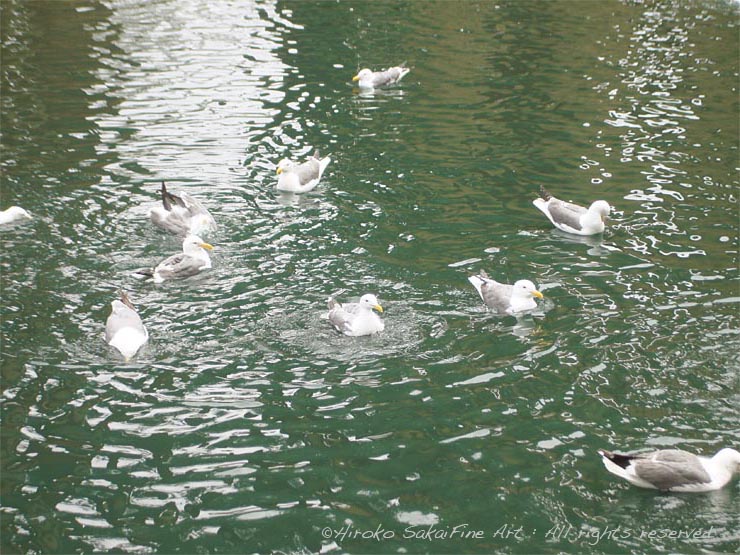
x,y
370,302
362,75
194,244
284,165
729,458
601,208
525,288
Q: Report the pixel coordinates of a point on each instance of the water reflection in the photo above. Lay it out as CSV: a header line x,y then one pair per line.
x,y
247,403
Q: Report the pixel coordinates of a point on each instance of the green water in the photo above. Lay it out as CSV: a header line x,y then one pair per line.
x,y
247,425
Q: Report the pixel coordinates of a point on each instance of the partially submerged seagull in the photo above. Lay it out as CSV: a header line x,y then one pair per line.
x,y
504,298
181,214
193,258
13,214
124,329
573,218
356,319
373,79
301,178
674,469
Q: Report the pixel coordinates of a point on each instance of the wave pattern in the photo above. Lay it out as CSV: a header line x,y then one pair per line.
x,y
246,421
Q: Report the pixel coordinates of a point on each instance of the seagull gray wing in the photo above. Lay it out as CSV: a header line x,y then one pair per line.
x,y
179,266
176,221
307,171
671,468
341,315
496,295
566,213
386,77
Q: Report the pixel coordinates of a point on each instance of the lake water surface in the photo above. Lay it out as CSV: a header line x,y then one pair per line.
x,y
247,425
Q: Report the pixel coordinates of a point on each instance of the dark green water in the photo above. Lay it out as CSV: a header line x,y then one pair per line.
x,y
247,425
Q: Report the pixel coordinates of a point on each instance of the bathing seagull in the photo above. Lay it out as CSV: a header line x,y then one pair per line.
x,y
301,178
373,79
504,298
356,319
674,469
124,329
193,258
181,214
573,218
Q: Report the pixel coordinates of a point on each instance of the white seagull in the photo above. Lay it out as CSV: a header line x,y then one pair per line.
x,y
373,79
124,329
13,214
674,469
573,218
355,319
181,214
504,298
193,258
301,178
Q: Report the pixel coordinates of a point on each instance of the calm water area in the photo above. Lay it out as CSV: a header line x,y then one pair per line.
x,y
247,424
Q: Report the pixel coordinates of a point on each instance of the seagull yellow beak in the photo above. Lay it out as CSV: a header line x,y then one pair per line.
x,y
378,308
538,294
206,246
279,171
356,78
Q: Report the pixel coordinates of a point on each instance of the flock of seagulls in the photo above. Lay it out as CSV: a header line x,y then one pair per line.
x,y
671,470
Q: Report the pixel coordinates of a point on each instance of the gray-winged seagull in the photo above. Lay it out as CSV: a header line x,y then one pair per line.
x,y
181,214
368,79
504,298
301,178
193,258
356,319
674,469
573,218
124,329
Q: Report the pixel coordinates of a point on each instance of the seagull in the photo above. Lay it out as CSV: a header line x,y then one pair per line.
x,y
674,469
124,329
13,214
181,215
301,178
189,262
503,298
373,79
355,319
573,218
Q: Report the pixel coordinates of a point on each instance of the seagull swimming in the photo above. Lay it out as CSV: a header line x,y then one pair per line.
x,y
355,319
13,214
181,214
674,469
124,329
193,258
503,298
301,178
373,79
573,218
